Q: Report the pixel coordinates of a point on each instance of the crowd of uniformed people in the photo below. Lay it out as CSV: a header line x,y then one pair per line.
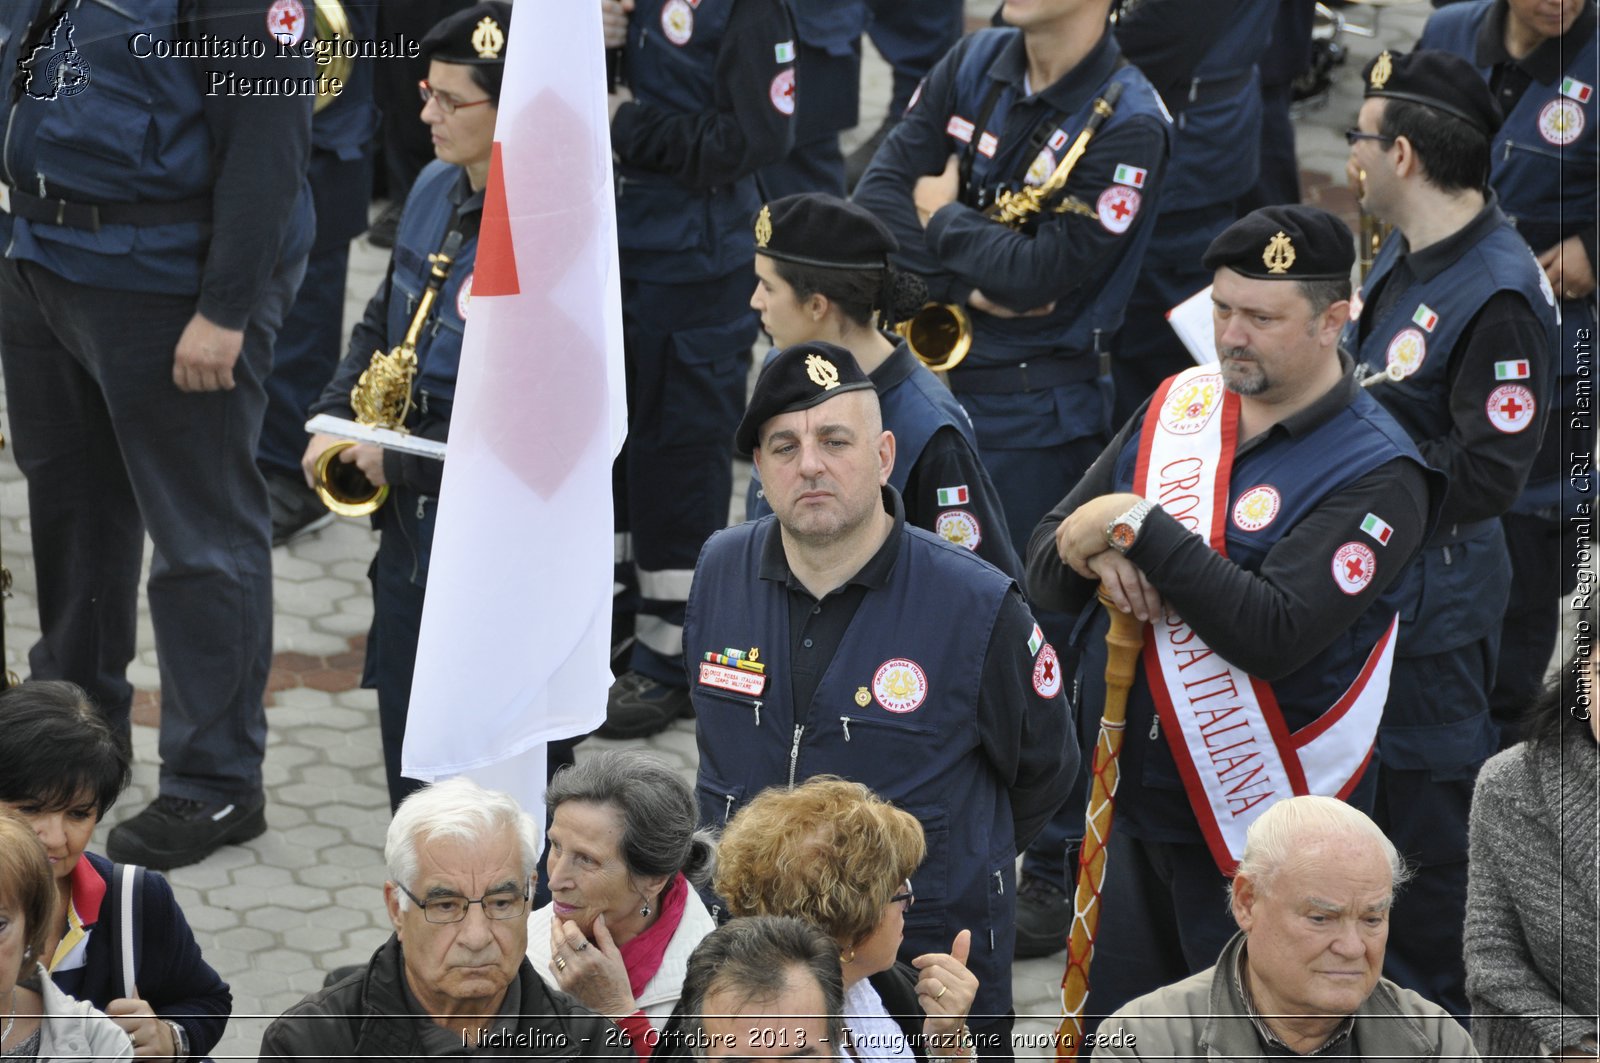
x,y
1343,519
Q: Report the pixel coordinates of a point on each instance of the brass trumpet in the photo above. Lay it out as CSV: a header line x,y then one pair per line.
x,y
382,399
940,335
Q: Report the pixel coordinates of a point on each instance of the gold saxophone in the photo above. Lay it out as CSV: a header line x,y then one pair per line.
x,y
382,399
940,334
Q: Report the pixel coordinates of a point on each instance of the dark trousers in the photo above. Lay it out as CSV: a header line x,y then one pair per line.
x,y
111,448
688,357
912,37
308,350
1544,567
1164,915
397,598
1279,181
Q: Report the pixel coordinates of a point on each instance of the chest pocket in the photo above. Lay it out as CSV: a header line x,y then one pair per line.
x,y
95,156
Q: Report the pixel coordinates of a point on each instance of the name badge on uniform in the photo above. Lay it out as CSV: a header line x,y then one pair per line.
x,y
734,680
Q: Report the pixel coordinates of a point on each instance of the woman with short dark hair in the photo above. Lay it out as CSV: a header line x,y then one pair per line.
x,y
61,769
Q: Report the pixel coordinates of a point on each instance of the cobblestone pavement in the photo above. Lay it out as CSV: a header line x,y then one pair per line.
x,y
275,914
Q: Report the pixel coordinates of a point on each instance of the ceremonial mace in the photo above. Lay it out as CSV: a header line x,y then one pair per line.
x,y
1124,639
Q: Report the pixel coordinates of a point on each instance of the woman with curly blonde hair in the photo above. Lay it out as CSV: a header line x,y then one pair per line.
x,y
835,854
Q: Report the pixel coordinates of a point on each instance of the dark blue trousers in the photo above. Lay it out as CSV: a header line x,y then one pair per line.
x,y
111,448
688,357
308,350
912,37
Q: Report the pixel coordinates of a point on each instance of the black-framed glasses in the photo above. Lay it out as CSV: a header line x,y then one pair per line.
x,y
906,897
500,905
447,103
1353,135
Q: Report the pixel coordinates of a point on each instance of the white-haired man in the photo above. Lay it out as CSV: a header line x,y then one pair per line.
x,y
454,975
1303,976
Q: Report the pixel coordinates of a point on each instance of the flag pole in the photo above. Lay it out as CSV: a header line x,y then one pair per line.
x,y
1124,639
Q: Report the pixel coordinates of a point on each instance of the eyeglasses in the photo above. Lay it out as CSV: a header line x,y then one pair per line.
x,y
500,905
905,898
447,103
1353,135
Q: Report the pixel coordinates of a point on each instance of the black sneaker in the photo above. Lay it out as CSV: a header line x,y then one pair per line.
x,y
1044,918
296,509
639,707
177,831
382,231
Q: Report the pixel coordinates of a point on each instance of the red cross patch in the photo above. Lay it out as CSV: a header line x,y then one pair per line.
x,y
1047,673
1117,207
782,91
1510,408
1354,565
286,22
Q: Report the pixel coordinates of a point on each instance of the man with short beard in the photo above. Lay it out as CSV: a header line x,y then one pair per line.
x,y
1259,514
832,638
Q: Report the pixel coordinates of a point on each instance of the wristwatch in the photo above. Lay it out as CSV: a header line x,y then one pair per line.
x,y
1123,531
180,1040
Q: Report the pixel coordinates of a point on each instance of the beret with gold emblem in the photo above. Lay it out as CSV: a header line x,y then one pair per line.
x,y
1287,243
1439,80
814,229
474,36
798,378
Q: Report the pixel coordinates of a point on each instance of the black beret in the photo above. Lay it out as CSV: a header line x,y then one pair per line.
x,y
817,230
1289,243
798,378
474,36
1439,80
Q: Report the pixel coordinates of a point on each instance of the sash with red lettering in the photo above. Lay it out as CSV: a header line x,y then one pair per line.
x,y
1227,733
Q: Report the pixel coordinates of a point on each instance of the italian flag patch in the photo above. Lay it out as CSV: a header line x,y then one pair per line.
x,y
1513,370
1375,526
1132,176
1425,317
1035,640
1573,89
953,496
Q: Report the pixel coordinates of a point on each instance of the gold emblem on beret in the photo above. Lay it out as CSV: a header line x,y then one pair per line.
x,y
488,38
1279,255
763,226
1381,71
822,372
863,696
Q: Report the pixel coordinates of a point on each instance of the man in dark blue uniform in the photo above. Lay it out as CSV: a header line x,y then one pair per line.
x,y
832,638
1259,514
1202,59
1543,160
823,275
153,235
827,53
1002,112
466,53
1455,331
713,100
307,350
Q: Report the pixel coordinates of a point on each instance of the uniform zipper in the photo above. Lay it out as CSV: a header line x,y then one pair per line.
x,y
794,752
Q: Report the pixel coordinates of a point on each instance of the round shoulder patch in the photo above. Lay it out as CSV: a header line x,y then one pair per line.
x,y
463,297
1354,565
677,21
1043,166
959,527
1561,121
1511,408
900,685
1117,207
286,22
781,92
1047,672
1405,354
1191,405
1256,508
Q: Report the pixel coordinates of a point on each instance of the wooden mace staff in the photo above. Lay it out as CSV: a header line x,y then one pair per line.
x,y
1123,642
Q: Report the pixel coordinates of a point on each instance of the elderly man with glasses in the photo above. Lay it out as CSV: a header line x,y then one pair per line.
x,y
454,976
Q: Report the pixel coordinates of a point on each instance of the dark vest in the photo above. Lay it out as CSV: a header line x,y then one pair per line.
x,y
1304,471
668,232
937,612
913,409
1217,123
136,133
1072,329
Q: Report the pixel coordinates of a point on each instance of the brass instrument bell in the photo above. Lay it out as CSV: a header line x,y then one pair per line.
x,y
940,335
343,487
332,27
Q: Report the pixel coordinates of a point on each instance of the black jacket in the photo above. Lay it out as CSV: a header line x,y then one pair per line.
x,y
367,1016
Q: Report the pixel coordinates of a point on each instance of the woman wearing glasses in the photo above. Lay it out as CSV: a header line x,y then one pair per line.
x,y
624,858
460,97
835,854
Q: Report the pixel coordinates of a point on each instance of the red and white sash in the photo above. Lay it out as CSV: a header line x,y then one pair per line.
x,y
1227,734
